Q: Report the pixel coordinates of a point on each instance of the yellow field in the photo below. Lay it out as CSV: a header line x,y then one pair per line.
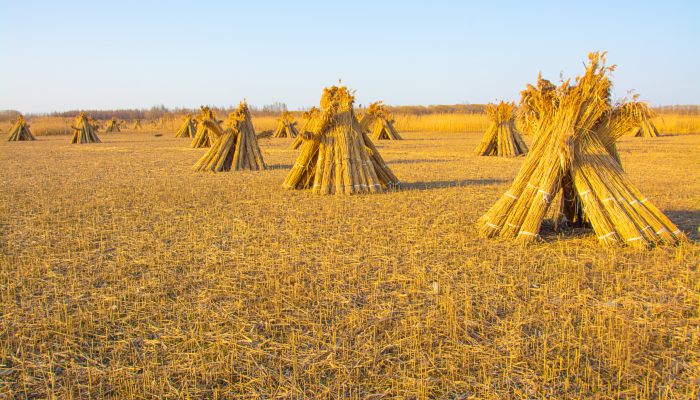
x,y
125,275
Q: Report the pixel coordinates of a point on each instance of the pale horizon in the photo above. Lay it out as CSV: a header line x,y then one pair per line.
x,y
139,55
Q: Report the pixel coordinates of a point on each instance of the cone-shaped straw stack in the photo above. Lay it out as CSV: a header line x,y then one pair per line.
x,y
187,130
137,124
112,126
309,117
569,155
377,120
20,131
83,131
237,148
286,127
337,155
646,127
208,129
501,137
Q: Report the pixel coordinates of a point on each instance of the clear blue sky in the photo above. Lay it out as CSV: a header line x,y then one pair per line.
x,y
61,55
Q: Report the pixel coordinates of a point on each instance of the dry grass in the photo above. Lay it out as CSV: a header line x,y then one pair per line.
x,y
677,123
125,275
437,122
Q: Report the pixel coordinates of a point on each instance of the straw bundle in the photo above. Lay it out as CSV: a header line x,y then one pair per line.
x,y
83,131
337,155
187,129
535,101
237,148
570,156
137,124
95,124
112,126
646,127
501,137
286,127
208,129
20,131
377,120
309,116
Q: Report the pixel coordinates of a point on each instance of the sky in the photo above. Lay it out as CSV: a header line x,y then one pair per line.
x,y
66,55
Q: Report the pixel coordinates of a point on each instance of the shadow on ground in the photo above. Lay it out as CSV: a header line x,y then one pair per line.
x,y
447,184
424,161
687,220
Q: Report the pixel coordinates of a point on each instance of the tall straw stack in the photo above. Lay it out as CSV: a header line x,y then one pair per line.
x,y
309,117
501,138
377,120
569,155
112,126
208,129
20,131
83,131
286,127
187,129
337,156
237,148
137,124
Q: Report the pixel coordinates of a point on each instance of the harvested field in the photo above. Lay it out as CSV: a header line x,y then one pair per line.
x,y
123,274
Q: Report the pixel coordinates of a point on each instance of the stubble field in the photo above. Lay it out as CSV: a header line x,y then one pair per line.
x,y
125,275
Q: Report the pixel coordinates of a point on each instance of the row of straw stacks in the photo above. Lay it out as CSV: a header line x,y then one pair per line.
x,y
337,156
573,157
20,131
501,138
236,148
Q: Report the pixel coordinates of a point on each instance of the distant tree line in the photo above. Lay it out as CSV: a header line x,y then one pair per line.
x,y
160,111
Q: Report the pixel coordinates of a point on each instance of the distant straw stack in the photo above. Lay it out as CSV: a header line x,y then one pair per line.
x,y
83,131
137,124
187,129
377,120
20,131
237,148
112,126
569,155
501,138
337,156
286,127
646,127
208,129
309,117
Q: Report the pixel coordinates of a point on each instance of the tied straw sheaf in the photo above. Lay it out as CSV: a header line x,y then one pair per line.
x,y
309,117
337,156
208,129
646,127
377,121
187,129
501,138
286,127
574,152
236,148
20,131
84,131
112,126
